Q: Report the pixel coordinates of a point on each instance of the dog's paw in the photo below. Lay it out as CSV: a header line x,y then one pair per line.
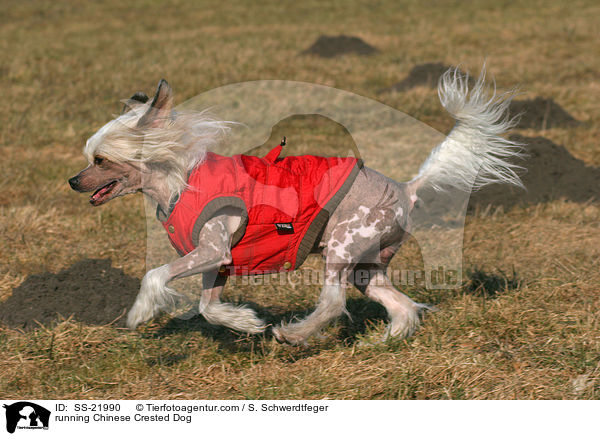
x,y
250,325
287,338
278,335
154,296
247,321
242,318
406,323
139,314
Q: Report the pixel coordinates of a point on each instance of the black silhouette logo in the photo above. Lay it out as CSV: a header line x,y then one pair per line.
x,y
26,415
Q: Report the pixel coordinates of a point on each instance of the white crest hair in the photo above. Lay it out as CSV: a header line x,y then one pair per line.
x,y
172,146
474,154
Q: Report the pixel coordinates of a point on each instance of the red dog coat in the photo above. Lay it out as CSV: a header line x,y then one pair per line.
x,y
284,202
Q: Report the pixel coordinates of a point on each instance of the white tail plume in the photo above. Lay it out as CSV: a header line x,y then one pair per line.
x,y
474,154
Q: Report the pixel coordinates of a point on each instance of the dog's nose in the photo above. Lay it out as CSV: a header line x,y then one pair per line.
x,y
74,182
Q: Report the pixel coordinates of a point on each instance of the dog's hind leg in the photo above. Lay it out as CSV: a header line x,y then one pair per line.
x,y
216,312
332,303
403,312
347,241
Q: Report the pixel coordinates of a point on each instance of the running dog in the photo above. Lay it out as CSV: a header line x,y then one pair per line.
x,y
248,215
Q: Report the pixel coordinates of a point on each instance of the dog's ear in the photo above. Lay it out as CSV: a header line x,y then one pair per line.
x,y
160,108
135,99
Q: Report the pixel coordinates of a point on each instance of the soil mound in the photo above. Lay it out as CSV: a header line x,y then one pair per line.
x,y
541,113
91,290
424,75
332,46
421,75
552,173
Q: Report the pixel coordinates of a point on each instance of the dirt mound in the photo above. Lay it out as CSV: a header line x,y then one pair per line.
x,y
423,75
332,46
91,290
552,173
541,113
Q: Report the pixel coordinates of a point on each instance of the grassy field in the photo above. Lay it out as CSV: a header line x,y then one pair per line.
x,y
524,325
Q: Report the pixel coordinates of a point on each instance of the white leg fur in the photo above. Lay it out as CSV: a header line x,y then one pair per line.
x,y
402,311
332,303
154,295
215,312
239,318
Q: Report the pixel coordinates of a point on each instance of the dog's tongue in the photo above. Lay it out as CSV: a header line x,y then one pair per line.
x,y
102,192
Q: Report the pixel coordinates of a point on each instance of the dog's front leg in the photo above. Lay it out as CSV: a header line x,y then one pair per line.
x,y
241,318
213,251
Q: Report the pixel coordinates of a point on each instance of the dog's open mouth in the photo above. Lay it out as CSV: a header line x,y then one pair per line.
x,y
103,194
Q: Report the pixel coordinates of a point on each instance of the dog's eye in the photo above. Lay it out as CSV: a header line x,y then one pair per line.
x,y
98,160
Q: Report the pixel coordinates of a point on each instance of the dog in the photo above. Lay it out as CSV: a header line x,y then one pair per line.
x,y
152,149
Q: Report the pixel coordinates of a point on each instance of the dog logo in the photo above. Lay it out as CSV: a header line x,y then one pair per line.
x,y
26,415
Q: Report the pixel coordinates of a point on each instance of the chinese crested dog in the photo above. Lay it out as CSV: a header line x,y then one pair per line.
x,y
355,217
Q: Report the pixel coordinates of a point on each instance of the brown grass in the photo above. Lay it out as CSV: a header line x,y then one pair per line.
x,y
525,324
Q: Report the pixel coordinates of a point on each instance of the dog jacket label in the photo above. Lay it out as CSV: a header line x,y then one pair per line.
x,y
284,227
284,203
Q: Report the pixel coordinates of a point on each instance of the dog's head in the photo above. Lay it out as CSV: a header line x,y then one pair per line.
x,y
115,152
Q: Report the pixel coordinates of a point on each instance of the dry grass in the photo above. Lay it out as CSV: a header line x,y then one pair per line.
x,y
524,325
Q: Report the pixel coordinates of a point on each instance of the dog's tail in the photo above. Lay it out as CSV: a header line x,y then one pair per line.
x,y
473,154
